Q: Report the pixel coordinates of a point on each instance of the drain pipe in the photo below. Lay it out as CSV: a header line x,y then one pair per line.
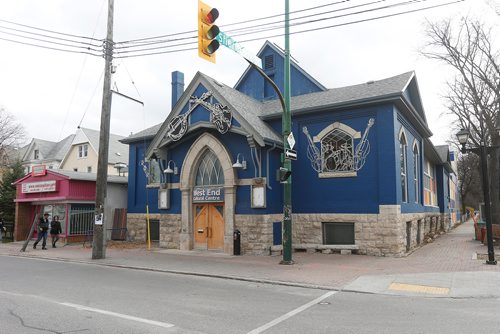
x,y
267,167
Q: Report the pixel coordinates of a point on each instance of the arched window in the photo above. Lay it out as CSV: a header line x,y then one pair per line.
x,y
209,171
403,163
416,172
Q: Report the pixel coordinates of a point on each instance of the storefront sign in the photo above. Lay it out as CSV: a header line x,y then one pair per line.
x,y
39,187
38,170
208,194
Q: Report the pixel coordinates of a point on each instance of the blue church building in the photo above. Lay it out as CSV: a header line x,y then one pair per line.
x,y
367,177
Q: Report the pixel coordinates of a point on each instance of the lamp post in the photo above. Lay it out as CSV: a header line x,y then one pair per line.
x,y
463,137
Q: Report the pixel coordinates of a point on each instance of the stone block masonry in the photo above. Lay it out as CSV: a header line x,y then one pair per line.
x,y
389,233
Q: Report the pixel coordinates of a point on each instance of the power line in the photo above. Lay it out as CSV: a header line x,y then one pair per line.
x,y
359,21
307,30
80,76
236,23
49,48
41,29
296,24
139,44
260,28
51,42
312,15
47,36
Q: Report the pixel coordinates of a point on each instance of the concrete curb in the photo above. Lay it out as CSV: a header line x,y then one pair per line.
x,y
187,273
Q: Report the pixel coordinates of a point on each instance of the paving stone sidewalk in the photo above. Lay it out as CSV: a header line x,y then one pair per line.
x,y
450,260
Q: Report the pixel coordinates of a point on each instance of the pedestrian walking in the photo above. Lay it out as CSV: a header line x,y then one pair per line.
x,y
55,230
2,228
43,227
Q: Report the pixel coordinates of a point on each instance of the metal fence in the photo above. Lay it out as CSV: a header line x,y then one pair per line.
x,y
81,221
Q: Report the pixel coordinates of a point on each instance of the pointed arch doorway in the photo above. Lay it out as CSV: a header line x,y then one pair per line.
x,y
207,224
208,202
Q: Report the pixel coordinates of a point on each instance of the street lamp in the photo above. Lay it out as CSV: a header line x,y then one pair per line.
x,y
463,137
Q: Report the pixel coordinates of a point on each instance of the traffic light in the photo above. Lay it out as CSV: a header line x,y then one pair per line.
x,y
207,31
283,174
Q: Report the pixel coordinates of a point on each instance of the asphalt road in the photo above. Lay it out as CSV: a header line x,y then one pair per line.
x,y
43,296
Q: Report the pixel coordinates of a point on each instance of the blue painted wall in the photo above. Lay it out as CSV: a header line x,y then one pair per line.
x,y
377,183
255,86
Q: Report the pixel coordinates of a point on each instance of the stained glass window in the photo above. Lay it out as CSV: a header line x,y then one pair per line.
x,y
404,180
209,171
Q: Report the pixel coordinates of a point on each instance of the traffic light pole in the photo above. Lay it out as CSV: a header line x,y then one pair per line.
x,y
203,13
287,164
98,247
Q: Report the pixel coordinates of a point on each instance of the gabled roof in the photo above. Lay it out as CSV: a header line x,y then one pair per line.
x,y
443,152
389,89
280,52
245,110
439,155
118,152
43,146
59,150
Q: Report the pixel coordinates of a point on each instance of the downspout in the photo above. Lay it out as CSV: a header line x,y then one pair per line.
x,y
267,167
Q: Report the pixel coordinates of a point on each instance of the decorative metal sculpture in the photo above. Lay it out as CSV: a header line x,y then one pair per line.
x,y
313,152
337,154
363,147
145,168
221,116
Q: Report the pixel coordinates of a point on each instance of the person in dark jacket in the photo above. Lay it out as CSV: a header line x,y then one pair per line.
x,y
55,230
43,227
2,228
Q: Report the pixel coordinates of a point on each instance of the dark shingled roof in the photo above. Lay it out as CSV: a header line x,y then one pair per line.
x,y
355,94
146,134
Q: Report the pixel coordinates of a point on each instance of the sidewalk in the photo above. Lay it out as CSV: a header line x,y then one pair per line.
x,y
448,267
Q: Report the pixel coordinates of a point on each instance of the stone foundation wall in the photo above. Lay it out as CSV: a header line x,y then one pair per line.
x,y
256,232
383,234
170,228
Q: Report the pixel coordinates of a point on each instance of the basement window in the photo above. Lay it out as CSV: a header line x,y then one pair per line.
x,y
338,233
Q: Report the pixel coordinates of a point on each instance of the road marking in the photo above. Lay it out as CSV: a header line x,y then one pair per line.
x,y
119,315
90,309
419,288
291,314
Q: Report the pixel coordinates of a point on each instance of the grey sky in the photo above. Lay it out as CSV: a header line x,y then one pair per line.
x,y
50,92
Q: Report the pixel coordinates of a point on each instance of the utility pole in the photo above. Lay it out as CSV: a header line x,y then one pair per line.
x,y
287,164
98,247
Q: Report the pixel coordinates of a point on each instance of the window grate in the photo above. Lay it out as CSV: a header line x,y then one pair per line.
x,y
337,152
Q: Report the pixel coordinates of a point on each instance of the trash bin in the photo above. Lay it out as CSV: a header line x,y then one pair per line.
x,y
483,234
237,242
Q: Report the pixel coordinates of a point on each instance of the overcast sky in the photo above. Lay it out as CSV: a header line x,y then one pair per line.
x,y
52,92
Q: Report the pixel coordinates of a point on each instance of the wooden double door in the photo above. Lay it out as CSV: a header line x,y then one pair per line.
x,y
209,226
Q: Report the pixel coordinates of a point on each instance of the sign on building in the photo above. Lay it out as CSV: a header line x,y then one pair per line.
x,y
39,187
38,170
208,194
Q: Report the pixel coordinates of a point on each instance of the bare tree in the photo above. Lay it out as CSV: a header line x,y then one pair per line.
x,y
11,136
474,94
470,182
